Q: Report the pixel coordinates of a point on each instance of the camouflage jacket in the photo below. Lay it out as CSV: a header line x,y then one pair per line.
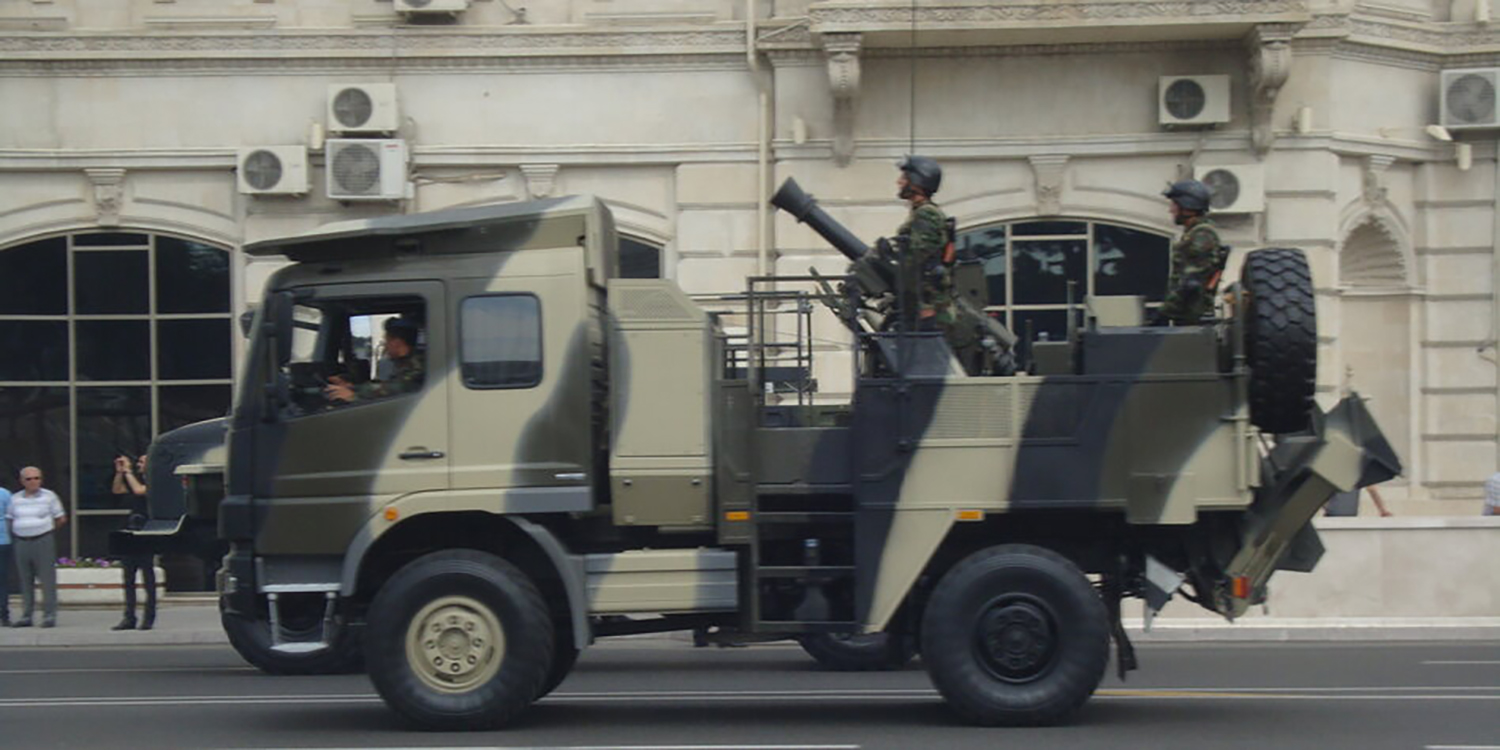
x,y
407,378
924,236
1197,260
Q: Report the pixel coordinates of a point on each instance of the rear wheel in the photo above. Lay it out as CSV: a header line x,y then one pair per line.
x,y
301,619
459,640
1281,338
871,652
1015,635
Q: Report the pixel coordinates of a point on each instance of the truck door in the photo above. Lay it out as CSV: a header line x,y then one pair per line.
x,y
520,428
379,432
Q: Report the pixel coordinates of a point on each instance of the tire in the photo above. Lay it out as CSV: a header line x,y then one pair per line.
x,y
486,628
564,656
1015,635
874,652
1281,339
251,639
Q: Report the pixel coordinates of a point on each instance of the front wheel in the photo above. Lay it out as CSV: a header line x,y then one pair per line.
x,y
459,640
1015,635
858,652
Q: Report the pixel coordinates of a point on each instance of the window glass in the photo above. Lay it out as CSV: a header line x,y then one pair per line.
x,y
110,239
1043,269
639,260
346,343
179,405
112,422
193,349
34,350
1127,261
111,283
1037,228
191,277
34,278
988,246
114,349
36,432
502,341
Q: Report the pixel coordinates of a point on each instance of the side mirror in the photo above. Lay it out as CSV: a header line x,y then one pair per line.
x,y
276,325
247,323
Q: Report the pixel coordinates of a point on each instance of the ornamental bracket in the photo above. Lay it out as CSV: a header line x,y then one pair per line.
x,y
1270,50
109,194
842,51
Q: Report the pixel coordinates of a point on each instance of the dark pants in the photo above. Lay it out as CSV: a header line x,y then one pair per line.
x,y
145,564
4,582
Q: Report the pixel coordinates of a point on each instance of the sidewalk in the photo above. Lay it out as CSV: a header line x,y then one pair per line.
x,y
179,620
194,619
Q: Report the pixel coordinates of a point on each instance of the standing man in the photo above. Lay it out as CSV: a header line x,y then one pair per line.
x,y
133,489
924,240
35,513
4,559
1491,496
1197,259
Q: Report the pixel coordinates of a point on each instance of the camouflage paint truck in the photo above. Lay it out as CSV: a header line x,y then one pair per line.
x,y
588,456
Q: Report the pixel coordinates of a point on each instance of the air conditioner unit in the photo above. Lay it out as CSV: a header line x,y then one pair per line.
x,y
1235,188
1469,101
416,7
362,108
272,170
366,169
1188,101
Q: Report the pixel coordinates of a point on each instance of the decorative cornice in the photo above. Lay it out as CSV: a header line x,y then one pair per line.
x,y
877,14
1049,170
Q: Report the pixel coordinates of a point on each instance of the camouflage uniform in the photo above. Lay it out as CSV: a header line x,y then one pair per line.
x,y
924,237
407,378
1197,259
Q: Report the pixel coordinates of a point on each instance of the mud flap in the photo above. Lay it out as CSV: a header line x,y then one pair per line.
x,y
1342,450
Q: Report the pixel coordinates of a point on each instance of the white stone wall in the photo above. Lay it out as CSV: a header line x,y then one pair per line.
x,y
1034,109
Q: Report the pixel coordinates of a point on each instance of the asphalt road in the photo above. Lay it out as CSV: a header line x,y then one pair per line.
x,y
666,696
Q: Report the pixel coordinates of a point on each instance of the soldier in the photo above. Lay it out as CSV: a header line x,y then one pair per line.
x,y
924,241
406,373
1197,259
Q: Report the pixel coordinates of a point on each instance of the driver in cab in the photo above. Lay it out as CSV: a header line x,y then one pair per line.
x,y
406,371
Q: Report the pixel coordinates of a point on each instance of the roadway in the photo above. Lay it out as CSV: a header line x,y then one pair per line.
x,y
664,695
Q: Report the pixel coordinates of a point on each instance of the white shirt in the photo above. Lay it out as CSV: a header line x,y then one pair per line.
x,y
32,514
1492,495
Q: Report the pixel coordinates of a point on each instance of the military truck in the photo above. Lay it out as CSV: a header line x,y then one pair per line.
x,y
589,456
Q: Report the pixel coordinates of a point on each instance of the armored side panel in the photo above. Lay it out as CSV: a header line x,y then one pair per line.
x,y
691,580
661,381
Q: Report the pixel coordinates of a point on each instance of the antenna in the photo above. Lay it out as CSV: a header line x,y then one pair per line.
x,y
911,106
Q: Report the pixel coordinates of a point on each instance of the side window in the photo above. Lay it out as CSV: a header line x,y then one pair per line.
x,y
350,351
501,341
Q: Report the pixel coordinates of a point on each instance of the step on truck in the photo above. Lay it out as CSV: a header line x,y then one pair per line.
x,y
576,455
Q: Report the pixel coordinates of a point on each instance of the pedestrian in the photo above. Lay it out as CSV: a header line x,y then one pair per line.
x,y
133,489
34,514
1347,503
1491,496
4,559
1197,259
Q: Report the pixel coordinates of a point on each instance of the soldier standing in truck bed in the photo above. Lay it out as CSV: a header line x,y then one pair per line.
x,y
925,239
1197,259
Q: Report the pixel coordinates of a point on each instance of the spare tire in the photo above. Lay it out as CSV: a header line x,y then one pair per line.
x,y
1281,338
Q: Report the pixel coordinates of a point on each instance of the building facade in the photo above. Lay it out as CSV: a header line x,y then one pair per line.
x,y
129,181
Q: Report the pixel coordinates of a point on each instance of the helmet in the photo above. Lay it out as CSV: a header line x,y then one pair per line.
x,y
922,173
1190,194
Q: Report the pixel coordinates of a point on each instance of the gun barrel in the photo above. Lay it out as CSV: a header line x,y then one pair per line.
x,y
791,199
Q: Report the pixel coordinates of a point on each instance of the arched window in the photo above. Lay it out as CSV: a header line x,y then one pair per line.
x,y
639,259
1029,266
109,339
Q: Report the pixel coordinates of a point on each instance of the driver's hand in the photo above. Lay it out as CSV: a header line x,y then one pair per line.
x,y
338,391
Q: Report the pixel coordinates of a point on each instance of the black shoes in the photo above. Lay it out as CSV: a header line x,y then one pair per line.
x,y
24,622
147,623
125,624
49,623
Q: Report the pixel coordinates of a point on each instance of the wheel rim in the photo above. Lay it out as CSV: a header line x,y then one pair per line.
x,y
1016,638
455,644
